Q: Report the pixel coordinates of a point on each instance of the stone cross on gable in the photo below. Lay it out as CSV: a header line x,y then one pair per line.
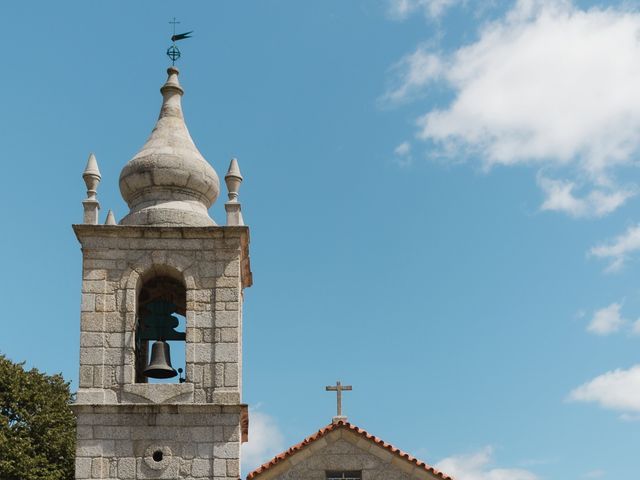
x,y
338,388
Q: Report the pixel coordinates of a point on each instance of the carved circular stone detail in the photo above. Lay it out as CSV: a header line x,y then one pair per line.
x,y
154,452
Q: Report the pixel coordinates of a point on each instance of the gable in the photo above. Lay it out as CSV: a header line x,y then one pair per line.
x,y
344,447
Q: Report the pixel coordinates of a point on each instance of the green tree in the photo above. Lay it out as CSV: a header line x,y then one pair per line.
x,y
37,427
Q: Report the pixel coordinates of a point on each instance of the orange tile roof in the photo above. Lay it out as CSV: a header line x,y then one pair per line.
x,y
363,433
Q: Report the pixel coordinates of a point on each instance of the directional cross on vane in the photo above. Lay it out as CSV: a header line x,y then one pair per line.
x,y
174,23
338,388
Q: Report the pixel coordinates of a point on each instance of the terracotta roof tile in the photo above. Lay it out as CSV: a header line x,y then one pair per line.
x,y
332,427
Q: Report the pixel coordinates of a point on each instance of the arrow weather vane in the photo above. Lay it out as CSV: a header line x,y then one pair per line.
x,y
173,52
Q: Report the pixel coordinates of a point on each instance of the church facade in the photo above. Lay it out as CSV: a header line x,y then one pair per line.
x,y
163,288
343,451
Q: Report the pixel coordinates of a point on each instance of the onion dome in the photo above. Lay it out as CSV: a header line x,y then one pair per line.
x,y
168,182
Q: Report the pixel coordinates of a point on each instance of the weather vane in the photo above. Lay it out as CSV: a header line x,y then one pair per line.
x,y
173,52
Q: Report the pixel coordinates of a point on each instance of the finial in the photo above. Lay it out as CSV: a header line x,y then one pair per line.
x,y
173,52
91,176
111,219
233,179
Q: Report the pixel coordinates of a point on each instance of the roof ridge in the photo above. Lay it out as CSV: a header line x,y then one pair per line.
x,y
354,428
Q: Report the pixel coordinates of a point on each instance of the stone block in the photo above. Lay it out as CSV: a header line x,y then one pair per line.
x,y
202,434
86,376
124,448
208,335
219,467
92,339
226,450
227,294
105,303
231,374
204,353
111,433
98,375
201,467
202,320
89,448
96,286
226,352
194,335
88,302
127,468
91,264
205,450
84,432
219,374
229,334
91,355
115,340
101,322
200,395
233,468
227,282
231,433
83,467
113,356
202,295
100,467
158,392
94,274
226,319
95,396
226,398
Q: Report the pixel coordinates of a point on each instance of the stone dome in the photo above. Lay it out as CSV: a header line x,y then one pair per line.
x,y
168,182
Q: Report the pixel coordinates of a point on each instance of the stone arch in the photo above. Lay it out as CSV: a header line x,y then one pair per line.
x,y
147,266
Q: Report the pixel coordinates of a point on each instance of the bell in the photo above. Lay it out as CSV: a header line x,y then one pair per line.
x,y
160,364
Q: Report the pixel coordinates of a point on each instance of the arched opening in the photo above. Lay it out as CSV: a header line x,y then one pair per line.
x,y
160,329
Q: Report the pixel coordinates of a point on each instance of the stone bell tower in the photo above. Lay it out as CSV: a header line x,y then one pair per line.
x,y
166,277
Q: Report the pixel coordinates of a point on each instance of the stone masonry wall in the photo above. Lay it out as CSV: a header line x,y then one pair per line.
x,y
190,430
342,450
195,441
116,260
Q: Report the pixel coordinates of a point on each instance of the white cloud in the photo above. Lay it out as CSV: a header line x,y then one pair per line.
x,y
403,155
607,320
401,9
403,149
615,390
265,441
418,69
477,466
597,203
619,249
550,85
635,328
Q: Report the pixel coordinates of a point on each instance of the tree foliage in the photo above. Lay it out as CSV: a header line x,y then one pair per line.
x,y
37,427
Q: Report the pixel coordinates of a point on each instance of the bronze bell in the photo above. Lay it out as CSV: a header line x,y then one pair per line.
x,y
160,364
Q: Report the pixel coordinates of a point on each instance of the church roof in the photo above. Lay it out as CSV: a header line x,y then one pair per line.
x,y
355,429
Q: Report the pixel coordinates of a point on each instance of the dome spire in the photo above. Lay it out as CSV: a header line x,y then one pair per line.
x,y
168,182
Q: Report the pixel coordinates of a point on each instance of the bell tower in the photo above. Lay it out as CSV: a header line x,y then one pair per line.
x,y
160,390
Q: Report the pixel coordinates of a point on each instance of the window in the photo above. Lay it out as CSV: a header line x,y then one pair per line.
x,y
344,475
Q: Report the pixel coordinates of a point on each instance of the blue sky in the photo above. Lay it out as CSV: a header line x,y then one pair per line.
x,y
442,200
